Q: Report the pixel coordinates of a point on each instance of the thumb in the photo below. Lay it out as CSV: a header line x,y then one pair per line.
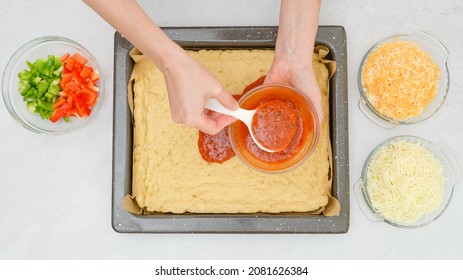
x,y
319,110
227,100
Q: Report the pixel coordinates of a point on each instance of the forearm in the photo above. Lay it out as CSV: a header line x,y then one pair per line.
x,y
297,29
130,20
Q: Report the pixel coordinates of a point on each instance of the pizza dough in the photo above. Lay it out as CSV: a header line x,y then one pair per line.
x,y
169,175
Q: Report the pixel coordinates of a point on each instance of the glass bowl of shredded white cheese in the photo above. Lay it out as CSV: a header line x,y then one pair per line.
x,y
403,79
407,182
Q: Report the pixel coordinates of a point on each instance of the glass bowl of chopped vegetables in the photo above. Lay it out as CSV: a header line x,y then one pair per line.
x,y
407,182
52,85
403,79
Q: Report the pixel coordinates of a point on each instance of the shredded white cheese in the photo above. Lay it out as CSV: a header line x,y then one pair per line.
x,y
405,181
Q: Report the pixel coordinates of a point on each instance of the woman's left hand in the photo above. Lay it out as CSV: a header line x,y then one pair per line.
x,y
299,75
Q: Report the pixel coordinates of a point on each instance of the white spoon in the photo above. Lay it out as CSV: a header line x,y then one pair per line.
x,y
246,116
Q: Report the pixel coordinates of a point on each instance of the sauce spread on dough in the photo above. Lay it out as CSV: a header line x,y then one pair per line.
x,y
274,124
215,148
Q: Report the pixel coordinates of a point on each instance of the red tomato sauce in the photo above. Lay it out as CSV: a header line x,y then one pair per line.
x,y
274,124
291,149
216,148
303,133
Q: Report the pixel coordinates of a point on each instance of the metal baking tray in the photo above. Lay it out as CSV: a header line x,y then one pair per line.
x,y
334,37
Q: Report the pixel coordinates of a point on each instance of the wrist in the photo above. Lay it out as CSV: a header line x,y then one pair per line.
x,y
297,30
172,58
289,54
163,52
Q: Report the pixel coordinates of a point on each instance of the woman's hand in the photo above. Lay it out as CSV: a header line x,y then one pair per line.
x,y
189,86
292,64
300,76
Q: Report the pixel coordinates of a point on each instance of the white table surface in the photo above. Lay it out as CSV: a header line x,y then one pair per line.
x,y
55,192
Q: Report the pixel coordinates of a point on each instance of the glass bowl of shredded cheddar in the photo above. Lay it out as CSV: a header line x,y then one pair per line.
x,y
407,182
403,79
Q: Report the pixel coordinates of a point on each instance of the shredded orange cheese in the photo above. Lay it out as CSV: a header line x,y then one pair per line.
x,y
400,79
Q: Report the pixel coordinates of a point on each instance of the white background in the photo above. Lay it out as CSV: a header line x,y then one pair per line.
x,y
55,192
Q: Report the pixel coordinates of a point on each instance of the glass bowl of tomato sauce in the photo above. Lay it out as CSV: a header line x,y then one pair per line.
x,y
303,141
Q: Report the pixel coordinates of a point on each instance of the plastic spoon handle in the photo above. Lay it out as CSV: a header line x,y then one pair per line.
x,y
243,115
240,114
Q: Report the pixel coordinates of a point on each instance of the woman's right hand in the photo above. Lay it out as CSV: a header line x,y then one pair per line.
x,y
189,86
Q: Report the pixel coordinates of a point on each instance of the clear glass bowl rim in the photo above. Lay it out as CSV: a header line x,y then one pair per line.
x,y
364,191
425,35
316,132
8,74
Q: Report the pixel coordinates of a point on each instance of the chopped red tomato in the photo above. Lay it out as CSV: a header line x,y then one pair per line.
x,y
64,57
79,59
85,73
79,91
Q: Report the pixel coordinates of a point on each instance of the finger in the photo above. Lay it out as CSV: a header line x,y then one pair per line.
x,y
268,79
316,101
320,115
213,126
224,120
227,100
214,115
